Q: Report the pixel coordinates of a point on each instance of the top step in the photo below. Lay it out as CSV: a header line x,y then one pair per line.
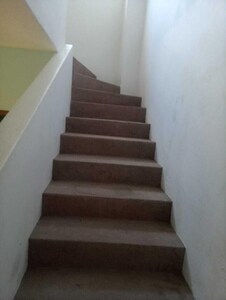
x,y
81,69
83,81
84,78
87,95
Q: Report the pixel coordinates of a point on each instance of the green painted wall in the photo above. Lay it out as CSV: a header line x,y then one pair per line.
x,y
18,68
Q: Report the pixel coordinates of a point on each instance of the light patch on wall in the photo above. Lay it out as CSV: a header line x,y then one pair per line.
x,y
18,68
19,27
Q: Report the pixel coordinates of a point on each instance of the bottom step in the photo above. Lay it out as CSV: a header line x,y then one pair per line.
x,y
61,284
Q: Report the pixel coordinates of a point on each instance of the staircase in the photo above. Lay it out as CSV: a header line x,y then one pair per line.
x,y
105,231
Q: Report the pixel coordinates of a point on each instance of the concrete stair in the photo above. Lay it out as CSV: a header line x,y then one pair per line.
x,y
104,243
76,143
90,284
115,201
106,169
87,82
105,229
107,111
96,96
108,127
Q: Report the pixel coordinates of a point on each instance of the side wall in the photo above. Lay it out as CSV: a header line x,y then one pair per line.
x,y
133,28
183,85
29,138
94,28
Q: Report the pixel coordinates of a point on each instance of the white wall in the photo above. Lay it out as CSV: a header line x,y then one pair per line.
x,y
51,15
95,28
183,78
29,138
107,38
133,27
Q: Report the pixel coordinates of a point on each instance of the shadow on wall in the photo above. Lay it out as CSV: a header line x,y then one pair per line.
x,y
18,69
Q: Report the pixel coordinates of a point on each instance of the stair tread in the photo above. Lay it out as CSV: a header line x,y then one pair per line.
x,y
106,92
108,160
108,127
109,106
108,231
95,79
108,111
108,120
107,137
60,284
84,81
111,190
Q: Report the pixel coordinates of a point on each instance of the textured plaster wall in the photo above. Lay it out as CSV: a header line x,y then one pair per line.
x,y
183,77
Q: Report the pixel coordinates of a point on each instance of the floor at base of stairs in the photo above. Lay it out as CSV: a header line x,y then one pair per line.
x,y
71,284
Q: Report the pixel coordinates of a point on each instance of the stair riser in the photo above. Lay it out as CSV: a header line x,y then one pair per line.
x,y
97,127
91,206
104,172
94,146
96,97
112,112
94,84
48,253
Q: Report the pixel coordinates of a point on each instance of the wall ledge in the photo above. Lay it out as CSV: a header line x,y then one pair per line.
x,y
17,120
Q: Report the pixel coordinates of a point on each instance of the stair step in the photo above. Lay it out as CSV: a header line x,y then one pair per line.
x,y
75,143
90,242
83,81
108,127
69,284
116,201
107,111
86,95
106,169
81,69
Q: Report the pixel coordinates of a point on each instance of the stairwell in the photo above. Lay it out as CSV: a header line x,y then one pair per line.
x,y
105,229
